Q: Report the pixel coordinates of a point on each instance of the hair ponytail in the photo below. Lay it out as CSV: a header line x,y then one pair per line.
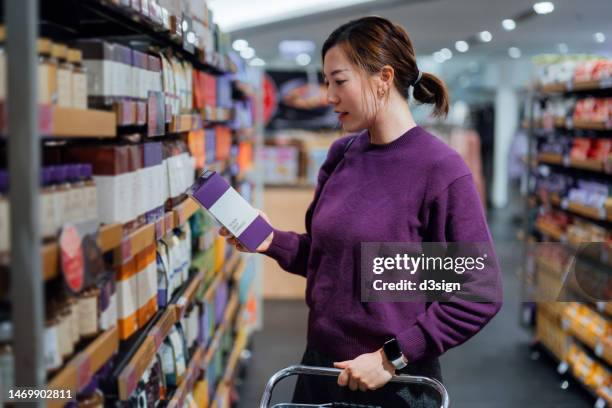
x,y
431,90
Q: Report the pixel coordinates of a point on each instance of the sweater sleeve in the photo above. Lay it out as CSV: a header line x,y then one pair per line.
x,y
455,215
290,249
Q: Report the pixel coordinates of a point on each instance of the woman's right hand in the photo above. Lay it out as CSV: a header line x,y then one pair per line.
x,y
232,240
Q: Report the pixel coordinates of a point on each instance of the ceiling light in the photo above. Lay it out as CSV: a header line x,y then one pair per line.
x,y
191,38
257,62
543,7
485,36
446,53
514,52
509,24
291,48
240,44
599,37
303,59
247,53
462,46
563,48
438,57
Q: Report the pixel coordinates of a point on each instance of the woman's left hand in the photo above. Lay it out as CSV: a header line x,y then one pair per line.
x,y
369,371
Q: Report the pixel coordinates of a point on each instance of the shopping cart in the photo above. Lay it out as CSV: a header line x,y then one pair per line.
x,y
334,372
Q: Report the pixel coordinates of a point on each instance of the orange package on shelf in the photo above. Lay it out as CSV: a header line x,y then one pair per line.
x,y
195,140
245,156
580,148
223,142
127,299
147,284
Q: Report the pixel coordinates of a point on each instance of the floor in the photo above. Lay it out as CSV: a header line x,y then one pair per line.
x,y
495,369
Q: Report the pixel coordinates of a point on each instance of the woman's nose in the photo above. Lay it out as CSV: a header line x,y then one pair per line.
x,y
332,98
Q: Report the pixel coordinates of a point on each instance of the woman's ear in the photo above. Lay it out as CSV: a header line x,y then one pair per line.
x,y
387,74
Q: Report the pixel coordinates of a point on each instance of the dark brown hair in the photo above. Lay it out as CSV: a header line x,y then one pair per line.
x,y
373,42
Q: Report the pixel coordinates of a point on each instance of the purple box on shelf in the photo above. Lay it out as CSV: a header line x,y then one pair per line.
x,y
210,145
231,210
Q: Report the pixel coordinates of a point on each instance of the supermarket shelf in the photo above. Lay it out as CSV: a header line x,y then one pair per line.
x,y
185,210
564,368
602,350
62,122
570,86
592,125
551,231
598,166
550,158
190,292
136,242
77,373
109,237
232,362
597,214
119,19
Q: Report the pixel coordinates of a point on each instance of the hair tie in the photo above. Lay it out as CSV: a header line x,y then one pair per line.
x,y
418,79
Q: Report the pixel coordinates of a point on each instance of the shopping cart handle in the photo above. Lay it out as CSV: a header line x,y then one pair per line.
x,y
334,372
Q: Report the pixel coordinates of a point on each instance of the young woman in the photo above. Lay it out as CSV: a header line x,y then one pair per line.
x,y
391,182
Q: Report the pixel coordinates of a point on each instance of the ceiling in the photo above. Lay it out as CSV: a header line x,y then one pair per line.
x,y
435,24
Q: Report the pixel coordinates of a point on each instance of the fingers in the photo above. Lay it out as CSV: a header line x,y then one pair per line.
x,y
343,378
224,232
353,383
342,364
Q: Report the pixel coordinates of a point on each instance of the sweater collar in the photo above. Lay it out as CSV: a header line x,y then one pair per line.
x,y
404,140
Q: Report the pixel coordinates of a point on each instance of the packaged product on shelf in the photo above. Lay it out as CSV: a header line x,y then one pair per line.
x,y
48,216
3,71
168,358
147,284
88,312
281,164
177,257
135,205
589,193
79,79
168,83
108,302
74,196
174,260
210,94
52,352
47,73
224,92
65,327
184,238
102,71
221,300
195,140
112,177
64,75
62,210
200,393
91,396
127,299
164,274
7,360
122,84
5,226
151,177
210,147
90,192
223,142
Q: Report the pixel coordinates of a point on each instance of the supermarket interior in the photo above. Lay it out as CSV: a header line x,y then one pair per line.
x,y
133,130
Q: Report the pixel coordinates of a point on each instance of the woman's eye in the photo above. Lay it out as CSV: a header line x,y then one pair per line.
x,y
340,82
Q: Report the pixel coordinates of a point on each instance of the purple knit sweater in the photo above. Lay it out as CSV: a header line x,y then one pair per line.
x,y
414,189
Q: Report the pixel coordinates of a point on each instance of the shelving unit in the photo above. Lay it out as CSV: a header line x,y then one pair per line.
x,y
35,129
561,334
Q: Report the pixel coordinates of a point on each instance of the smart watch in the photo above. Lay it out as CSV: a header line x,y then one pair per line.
x,y
394,354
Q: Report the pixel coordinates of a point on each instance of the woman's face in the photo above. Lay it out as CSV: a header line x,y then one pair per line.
x,y
347,91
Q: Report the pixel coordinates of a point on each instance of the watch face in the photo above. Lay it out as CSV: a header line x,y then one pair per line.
x,y
392,350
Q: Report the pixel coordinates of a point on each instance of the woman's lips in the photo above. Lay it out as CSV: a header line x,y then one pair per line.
x,y
342,116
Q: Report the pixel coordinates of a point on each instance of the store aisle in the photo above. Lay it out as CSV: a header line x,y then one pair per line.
x,y
501,372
